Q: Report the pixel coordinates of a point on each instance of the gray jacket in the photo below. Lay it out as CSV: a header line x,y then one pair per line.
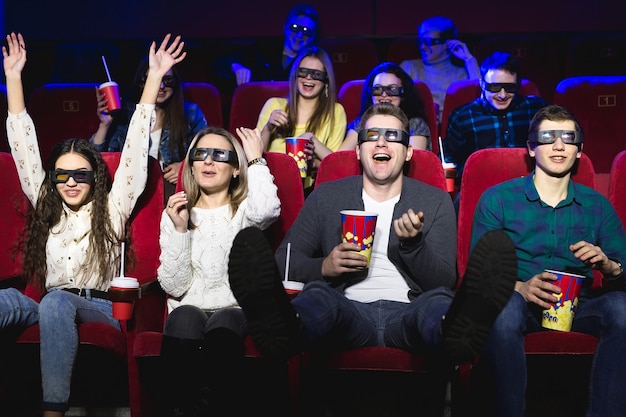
x,y
426,262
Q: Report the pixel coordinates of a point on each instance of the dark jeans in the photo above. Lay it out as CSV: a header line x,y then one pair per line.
x,y
604,317
329,317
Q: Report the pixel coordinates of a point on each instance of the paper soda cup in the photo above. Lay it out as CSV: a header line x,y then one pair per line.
x,y
449,168
112,93
561,314
295,148
123,292
359,227
293,288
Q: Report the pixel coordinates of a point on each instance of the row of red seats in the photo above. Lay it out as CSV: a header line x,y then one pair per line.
x,y
140,338
599,102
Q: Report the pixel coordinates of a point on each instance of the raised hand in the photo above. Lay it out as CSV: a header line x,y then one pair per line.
x,y
251,142
14,55
163,59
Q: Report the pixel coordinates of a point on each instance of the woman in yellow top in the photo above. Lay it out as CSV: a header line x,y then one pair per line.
x,y
310,111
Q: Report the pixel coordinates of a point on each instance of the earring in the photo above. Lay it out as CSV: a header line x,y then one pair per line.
x,y
235,176
326,91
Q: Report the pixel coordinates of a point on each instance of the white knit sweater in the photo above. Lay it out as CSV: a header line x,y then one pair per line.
x,y
194,265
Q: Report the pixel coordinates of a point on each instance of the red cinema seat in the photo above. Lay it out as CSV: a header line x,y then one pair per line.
x,y
147,345
207,97
248,100
352,58
424,166
63,111
617,185
599,105
113,384
486,168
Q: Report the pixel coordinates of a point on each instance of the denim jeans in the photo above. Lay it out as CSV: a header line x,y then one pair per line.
x,y
329,317
603,317
60,313
17,309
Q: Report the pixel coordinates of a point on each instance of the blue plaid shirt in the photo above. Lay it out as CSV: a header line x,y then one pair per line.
x,y
478,125
542,234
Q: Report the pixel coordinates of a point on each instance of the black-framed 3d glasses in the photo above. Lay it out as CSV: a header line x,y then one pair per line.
x,y
60,176
391,90
548,137
315,74
296,28
167,81
217,155
390,135
496,87
431,41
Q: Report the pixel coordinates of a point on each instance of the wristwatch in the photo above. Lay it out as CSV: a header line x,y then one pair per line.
x,y
258,161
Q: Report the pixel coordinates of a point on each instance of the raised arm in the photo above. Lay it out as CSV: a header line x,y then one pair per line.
x,y
14,59
160,62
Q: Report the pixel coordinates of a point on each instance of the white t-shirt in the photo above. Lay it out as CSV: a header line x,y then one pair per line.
x,y
384,281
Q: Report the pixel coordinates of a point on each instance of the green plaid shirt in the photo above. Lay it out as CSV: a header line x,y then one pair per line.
x,y
542,234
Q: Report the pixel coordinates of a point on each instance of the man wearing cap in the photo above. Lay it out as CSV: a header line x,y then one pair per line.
x,y
560,225
499,118
402,298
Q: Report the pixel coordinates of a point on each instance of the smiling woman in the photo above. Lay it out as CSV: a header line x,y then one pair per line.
x,y
311,110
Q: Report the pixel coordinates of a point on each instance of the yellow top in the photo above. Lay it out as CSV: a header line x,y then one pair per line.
x,y
331,136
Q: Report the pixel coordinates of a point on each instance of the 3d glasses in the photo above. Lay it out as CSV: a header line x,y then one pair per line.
x,y
496,87
59,176
217,155
295,28
315,74
390,135
391,90
547,137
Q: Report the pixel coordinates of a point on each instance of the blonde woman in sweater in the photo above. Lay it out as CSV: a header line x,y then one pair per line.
x,y
228,187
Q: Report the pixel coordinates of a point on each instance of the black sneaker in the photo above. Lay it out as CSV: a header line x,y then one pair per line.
x,y
256,284
487,287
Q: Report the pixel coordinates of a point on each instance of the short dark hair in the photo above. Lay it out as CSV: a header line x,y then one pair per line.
x,y
501,61
385,109
445,26
554,113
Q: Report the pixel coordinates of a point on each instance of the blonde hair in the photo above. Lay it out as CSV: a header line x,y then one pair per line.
x,y
238,188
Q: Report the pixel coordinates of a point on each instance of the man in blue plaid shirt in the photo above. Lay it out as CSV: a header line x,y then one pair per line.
x,y
559,225
499,118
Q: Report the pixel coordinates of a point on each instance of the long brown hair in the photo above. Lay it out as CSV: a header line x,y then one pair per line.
x,y
238,188
325,109
49,211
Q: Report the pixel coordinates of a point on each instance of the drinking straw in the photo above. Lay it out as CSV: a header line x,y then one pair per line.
x,y
122,259
441,150
106,68
287,261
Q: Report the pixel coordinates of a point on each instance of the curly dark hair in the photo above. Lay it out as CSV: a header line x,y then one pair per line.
x,y
49,211
410,103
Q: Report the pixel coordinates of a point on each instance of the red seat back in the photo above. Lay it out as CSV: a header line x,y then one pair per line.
x,y
13,217
352,58
488,167
63,111
207,97
424,166
248,100
617,186
599,105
